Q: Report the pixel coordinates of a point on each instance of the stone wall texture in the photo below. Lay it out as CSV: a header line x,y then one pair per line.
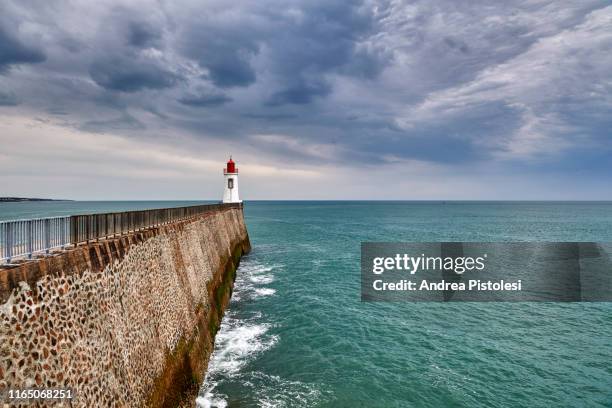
x,y
124,322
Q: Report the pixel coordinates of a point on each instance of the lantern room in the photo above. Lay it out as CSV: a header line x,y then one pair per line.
x,y
231,167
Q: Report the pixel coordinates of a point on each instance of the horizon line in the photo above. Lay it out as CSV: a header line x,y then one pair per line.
x,y
47,200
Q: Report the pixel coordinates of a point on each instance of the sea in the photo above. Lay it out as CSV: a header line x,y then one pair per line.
x,y
296,333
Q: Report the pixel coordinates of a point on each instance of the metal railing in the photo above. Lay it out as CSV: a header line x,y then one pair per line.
x,y
28,237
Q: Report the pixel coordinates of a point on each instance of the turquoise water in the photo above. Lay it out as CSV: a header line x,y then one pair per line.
x,y
297,335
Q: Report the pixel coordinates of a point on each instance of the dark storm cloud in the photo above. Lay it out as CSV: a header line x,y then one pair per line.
x,y
130,75
300,94
204,100
225,56
230,70
324,40
297,47
14,52
141,34
373,81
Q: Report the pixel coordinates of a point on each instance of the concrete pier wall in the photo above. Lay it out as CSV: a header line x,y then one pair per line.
x,y
128,321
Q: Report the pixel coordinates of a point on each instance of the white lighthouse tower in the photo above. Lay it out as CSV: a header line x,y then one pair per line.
x,y
230,194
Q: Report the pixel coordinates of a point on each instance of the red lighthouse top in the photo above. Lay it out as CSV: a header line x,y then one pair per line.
x,y
231,166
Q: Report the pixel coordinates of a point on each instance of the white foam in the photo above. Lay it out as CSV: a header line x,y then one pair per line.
x,y
278,392
239,340
260,292
250,278
236,344
260,268
262,279
210,401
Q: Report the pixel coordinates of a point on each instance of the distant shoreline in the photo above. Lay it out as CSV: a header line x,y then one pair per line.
x,y
20,199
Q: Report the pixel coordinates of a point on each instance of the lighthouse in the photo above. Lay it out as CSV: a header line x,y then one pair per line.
x,y
230,194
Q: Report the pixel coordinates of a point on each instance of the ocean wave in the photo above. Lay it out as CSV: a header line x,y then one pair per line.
x,y
209,400
259,292
262,279
276,392
255,268
249,280
242,336
269,391
237,344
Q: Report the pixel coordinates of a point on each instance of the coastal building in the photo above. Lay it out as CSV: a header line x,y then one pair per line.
x,y
230,194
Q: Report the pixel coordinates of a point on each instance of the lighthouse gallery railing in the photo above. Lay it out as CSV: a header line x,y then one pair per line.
x,y
28,237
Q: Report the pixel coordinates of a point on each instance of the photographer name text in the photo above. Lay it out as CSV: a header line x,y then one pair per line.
x,y
458,265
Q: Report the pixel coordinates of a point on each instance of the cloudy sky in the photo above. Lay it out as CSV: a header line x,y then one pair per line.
x,y
315,99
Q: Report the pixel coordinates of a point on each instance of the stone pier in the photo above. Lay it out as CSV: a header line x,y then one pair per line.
x,y
127,321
